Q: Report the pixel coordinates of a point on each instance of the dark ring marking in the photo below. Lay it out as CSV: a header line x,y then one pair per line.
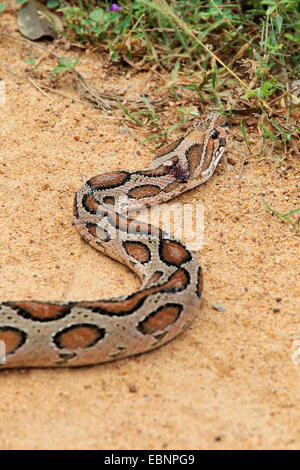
x,y
138,250
109,200
177,282
13,338
132,226
169,148
90,204
40,311
161,170
83,335
156,173
181,279
144,190
173,253
160,319
109,180
193,157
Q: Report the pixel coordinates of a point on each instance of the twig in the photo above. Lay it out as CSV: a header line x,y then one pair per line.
x,y
29,79
41,86
287,92
38,87
96,97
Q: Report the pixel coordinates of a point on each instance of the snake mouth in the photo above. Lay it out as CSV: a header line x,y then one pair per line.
x,y
219,155
209,171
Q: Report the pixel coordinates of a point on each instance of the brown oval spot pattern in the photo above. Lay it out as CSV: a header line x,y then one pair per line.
x,y
138,250
13,338
173,253
131,226
159,171
177,282
169,148
109,180
199,287
193,157
160,319
109,200
79,336
172,187
90,204
208,154
145,190
40,311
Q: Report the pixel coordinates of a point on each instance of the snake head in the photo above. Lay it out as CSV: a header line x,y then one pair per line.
x,y
210,136
193,158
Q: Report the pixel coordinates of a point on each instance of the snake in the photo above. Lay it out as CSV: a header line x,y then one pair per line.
x,y
77,333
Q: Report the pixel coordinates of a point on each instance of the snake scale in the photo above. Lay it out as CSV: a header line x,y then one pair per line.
x,y
52,334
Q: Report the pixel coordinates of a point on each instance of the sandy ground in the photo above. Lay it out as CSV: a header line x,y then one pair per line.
x,y
229,381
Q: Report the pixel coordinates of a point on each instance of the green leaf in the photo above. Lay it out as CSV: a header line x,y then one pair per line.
x,y
291,37
244,134
2,7
278,21
96,15
251,93
52,3
65,64
29,61
267,132
270,10
279,129
187,112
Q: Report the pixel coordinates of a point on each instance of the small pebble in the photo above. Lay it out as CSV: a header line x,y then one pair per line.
x,y
219,308
132,389
231,161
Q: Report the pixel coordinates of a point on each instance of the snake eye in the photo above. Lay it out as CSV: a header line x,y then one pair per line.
x,y
214,134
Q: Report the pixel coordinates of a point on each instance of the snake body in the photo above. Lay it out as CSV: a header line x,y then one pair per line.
x,y
52,334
